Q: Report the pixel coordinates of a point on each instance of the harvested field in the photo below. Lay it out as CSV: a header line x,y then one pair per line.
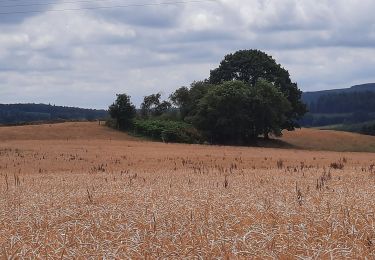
x,y
329,140
80,190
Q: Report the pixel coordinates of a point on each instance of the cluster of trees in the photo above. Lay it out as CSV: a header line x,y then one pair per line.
x,y
247,96
25,113
233,111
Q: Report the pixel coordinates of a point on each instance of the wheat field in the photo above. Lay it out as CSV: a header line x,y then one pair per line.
x,y
83,191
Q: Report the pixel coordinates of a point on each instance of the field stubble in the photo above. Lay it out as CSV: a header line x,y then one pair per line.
x,y
94,197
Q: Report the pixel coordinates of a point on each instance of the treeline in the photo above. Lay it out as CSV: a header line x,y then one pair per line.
x,y
249,95
315,120
338,103
368,129
341,108
25,113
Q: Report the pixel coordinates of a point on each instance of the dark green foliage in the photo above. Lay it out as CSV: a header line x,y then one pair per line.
x,y
223,114
312,97
123,111
271,109
349,106
341,108
187,99
261,99
162,108
368,129
251,65
152,106
26,113
233,112
167,131
172,114
344,103
247,96
149,104
181,99
312,120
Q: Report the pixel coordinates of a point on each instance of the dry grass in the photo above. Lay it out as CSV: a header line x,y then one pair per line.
x,y
329,140
100,194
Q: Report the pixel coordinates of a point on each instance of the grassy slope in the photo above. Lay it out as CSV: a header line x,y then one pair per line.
x,y
329,140
347,127
309,139
62,131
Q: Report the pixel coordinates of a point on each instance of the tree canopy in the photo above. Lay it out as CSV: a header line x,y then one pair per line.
x,y
123,111
234,113
270,109
187,99
251,65
152,106
222,113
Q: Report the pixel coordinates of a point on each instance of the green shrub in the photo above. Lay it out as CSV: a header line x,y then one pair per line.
x,y
167,131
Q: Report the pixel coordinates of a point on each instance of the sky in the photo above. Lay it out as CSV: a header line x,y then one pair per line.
x,y
85,57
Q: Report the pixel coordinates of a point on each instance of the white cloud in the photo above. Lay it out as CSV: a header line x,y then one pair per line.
x,y
83,58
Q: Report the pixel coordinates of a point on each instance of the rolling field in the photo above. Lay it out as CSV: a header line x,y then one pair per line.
x,y
314,139
80,190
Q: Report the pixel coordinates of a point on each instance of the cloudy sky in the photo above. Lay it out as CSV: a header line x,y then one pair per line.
x,y
84,57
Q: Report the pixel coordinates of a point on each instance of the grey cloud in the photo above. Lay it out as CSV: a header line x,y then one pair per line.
x,y
135,14
84,58
15,12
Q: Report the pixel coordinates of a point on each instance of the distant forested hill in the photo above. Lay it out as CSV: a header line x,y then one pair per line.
x,y
25,113
344,109
313,97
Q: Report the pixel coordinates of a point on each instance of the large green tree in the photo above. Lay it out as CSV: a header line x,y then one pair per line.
x,y
232,112
251,65
223,113
123,111
270,108
149,104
